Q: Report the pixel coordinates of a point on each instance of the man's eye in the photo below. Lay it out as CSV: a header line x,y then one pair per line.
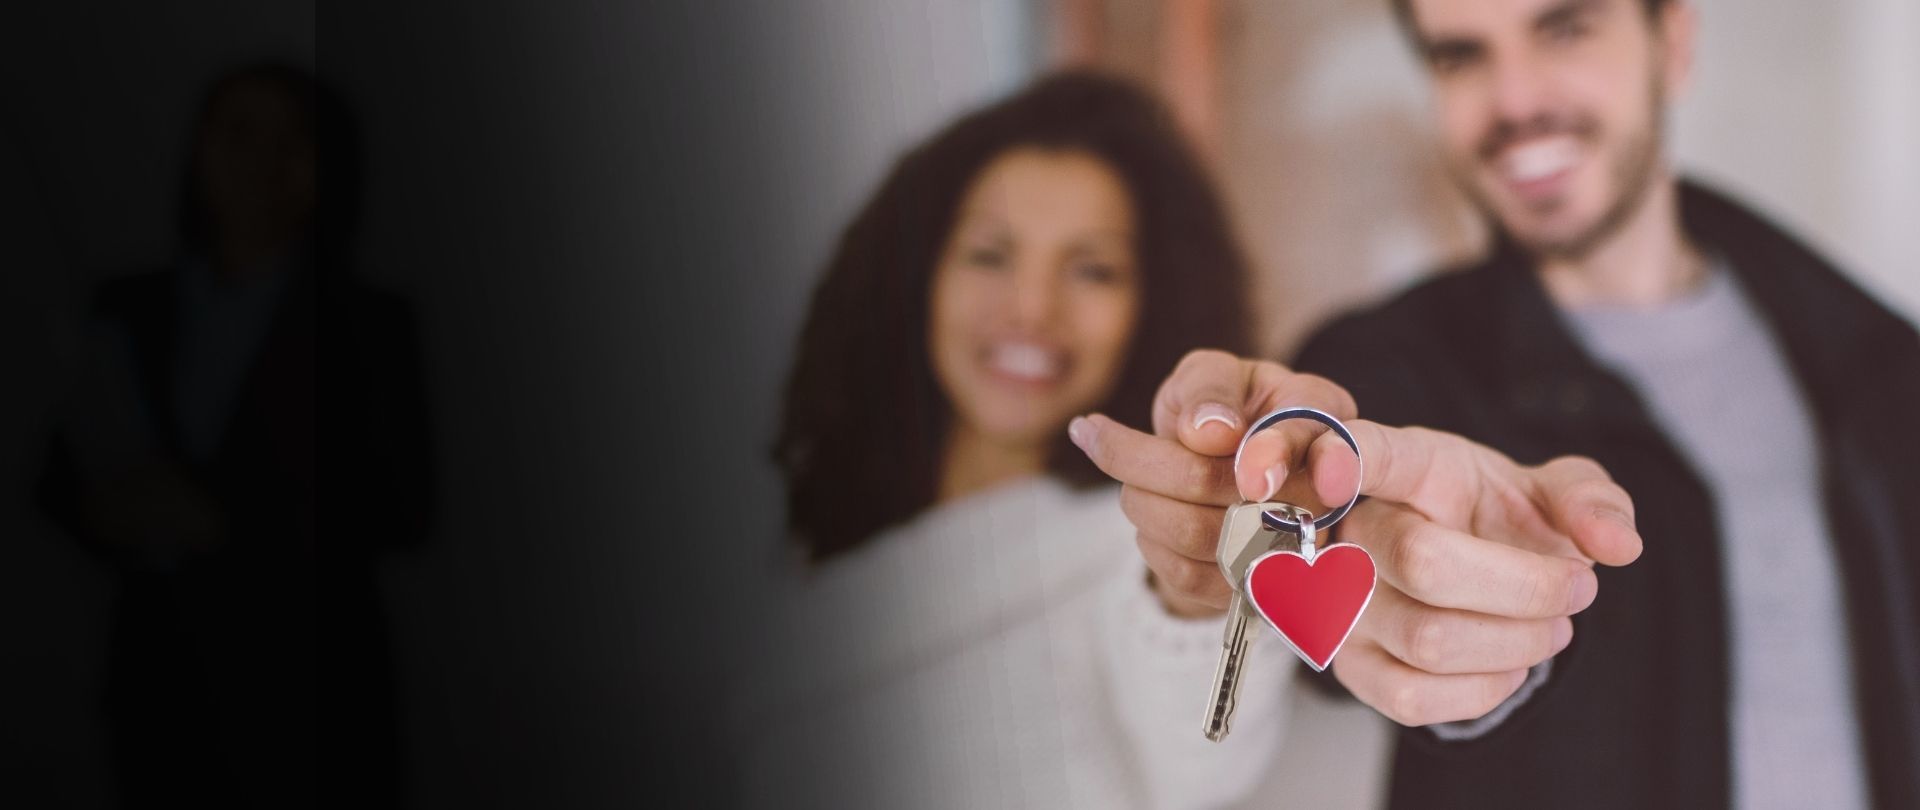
x,y
1566,29
1445,59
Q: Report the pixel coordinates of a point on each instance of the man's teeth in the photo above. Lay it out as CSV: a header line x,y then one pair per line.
x,y
1026,360
1534,160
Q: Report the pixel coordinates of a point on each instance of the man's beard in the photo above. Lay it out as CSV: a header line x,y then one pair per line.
x,y
1632,175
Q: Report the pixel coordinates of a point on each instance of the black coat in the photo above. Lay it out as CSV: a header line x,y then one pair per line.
x,y
1635,712
209,693
251,630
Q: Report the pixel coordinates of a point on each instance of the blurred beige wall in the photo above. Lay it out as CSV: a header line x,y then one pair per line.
x,y
1812,112
1328,161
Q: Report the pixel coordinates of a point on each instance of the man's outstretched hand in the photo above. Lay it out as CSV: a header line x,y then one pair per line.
x,y
1481,560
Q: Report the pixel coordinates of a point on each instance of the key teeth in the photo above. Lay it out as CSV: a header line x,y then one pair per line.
x,y
1218,724
1226,695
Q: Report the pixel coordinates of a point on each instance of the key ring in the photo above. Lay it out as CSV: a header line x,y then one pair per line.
x,y
1278,522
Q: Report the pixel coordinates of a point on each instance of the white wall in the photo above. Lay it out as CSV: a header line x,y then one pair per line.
x,y
1812,110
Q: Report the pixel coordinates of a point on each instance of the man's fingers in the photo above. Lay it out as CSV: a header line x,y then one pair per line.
x,y
1212,397
1272,386
1203,402
1585,504
1398,463
1451,569
1186,529
1411,697
1265,462
1336,469
1193,580
1455,642
1152,463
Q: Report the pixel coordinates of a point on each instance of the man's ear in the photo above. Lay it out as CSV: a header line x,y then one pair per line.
x,y
1678,20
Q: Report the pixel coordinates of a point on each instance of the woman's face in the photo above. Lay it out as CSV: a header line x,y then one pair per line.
x,y
1035,295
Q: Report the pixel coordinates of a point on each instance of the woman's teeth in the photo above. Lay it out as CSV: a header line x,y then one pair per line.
x,y
1539,158
1026,361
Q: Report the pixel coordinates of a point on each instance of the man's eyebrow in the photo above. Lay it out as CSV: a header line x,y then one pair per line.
x,y
1563,12
1450,45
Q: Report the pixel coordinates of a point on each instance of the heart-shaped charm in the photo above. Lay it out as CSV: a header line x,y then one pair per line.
x,y
1313,604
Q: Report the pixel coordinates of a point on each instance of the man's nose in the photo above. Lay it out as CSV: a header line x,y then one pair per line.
x,y
1519,87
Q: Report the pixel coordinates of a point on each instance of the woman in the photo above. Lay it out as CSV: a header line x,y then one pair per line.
x,y
974,628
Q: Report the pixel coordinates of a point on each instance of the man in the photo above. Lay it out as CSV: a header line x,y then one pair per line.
x,y
1766,652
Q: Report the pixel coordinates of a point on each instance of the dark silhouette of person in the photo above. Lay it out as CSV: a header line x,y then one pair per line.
x,y
246,665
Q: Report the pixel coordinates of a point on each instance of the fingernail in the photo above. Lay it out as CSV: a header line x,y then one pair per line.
x,y
1585,587
1215,412
1562,634
1274,474
1081,432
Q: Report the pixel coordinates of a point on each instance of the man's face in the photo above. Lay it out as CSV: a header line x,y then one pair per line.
x,y
1551,110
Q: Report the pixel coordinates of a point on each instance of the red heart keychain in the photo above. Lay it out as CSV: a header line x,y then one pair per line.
x,y
1314,601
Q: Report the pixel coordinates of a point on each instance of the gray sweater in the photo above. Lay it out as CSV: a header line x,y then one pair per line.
x,y
1712,375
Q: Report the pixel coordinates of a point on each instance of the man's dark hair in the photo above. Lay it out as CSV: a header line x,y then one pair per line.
x,y
1403,14
863,435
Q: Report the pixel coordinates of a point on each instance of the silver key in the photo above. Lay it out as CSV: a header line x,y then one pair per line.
x,y
1243,538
